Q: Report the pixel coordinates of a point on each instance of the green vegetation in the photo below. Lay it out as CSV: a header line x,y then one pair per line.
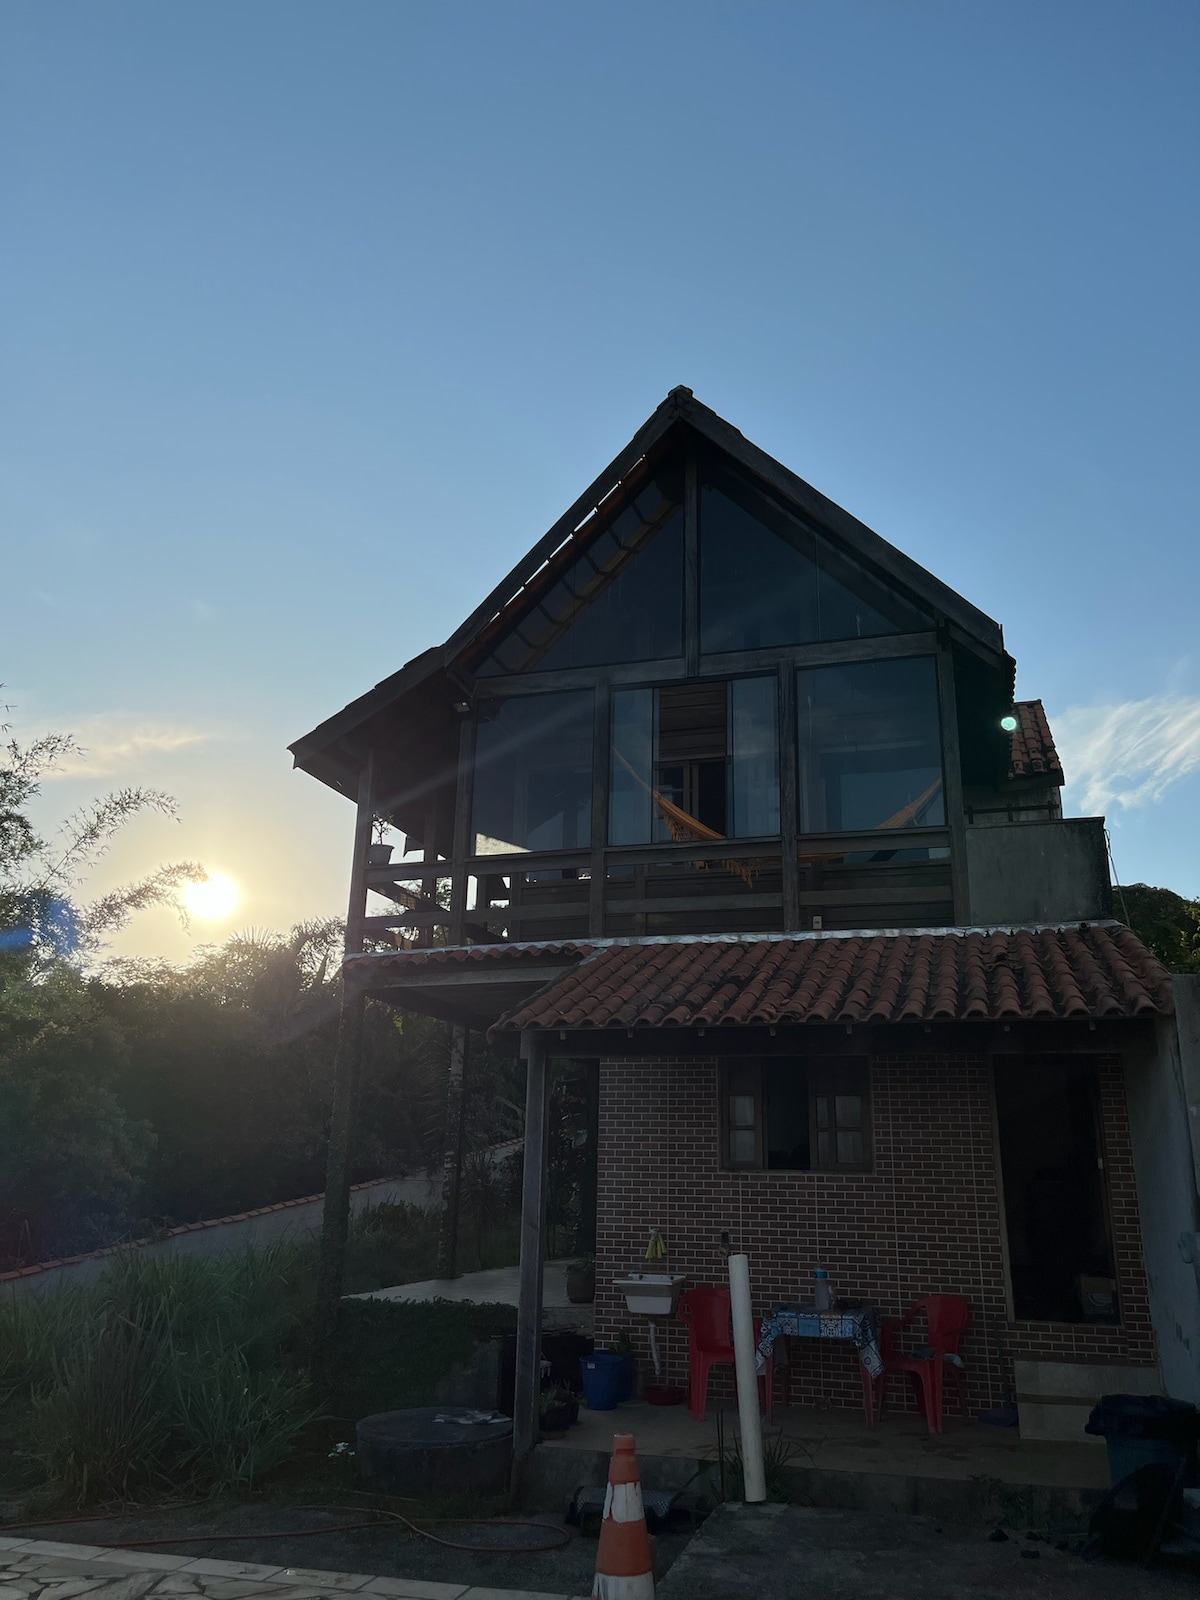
x,y
1166,922
182,1371
188,1374
135,1096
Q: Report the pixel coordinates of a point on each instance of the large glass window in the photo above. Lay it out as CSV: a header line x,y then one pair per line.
x,y
619,598
870,747
768,579
695,761
533,774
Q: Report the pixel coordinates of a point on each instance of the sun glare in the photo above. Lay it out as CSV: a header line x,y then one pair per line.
x,y
212,899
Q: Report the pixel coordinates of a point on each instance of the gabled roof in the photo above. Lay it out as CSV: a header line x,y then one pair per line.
x,y
679,411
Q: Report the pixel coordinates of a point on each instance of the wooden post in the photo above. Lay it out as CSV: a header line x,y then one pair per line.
x,y
456,1137
956,818
789,835
691,563
601,769
463,842
527,1386
335,1220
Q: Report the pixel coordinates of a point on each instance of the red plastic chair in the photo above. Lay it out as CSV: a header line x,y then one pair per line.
x,y
947,1316
709,1319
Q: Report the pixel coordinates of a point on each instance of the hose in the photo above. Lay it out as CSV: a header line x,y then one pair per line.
x,y
560,1541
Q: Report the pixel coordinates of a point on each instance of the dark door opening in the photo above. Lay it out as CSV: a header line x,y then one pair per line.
x,y
1059,1245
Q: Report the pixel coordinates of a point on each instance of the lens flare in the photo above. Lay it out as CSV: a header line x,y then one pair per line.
x,y
212,899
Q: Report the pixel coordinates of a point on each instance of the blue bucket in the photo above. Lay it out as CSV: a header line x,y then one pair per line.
x,y
602,1379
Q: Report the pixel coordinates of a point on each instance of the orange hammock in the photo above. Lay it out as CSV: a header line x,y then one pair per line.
x,y
686,829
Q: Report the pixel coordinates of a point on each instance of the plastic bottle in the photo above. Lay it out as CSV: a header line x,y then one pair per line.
x,y
822,1290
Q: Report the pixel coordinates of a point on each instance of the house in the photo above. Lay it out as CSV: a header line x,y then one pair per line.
x,y
723,792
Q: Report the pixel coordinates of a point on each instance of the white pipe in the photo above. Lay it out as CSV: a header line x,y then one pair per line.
x,y
753,1475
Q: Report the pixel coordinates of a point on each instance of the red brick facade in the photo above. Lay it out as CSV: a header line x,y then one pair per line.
x,y
927,1219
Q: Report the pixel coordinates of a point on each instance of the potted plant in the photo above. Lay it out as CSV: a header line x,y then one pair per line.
x,y
581,1281
378,853
554,1410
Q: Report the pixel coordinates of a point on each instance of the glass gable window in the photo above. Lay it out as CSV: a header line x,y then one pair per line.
x,y
533,775
695,761
767,579
869,747
618,599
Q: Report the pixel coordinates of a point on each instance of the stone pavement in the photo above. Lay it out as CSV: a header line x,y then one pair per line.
x,y
42,1569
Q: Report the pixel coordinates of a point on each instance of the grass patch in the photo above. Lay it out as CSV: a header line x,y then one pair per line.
x,y
188,1373
168,1372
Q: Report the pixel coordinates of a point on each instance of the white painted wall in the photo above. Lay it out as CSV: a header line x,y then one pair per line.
x,y
1157,1088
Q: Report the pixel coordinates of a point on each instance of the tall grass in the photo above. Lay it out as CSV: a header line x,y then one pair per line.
x,y
180,1370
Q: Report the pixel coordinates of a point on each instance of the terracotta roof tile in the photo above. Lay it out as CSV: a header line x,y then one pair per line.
x,y
1089,971
1033,752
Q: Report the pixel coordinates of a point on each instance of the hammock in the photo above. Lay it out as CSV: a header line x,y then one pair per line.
x,y
686,829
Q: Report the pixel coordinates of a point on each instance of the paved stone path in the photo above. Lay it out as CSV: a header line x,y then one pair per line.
x,y
42,1569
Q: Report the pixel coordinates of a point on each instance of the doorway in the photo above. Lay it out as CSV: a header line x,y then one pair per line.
x,y
1055,1196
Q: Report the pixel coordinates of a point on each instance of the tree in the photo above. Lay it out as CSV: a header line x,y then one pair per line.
x,y
67,1145
1167,924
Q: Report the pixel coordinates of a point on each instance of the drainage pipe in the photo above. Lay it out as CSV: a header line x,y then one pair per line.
x,y
753,1475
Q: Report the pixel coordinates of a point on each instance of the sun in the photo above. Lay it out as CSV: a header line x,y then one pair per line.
x,y
212,899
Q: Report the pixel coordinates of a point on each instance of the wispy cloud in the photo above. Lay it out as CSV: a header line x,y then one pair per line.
x,y
1128,754
116,743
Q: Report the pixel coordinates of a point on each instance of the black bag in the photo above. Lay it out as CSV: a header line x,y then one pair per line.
x,y
1144,1416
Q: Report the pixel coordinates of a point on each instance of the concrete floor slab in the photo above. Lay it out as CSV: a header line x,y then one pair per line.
x,y
802,1553
497,1286
840,1441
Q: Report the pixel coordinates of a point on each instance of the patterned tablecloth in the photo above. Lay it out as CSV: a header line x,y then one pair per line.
x,y
799,1322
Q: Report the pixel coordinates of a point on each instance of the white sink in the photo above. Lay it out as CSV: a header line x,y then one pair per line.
x,y
650,1294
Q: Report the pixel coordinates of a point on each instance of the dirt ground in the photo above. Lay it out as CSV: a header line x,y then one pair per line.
x,y
800,1553
271,1536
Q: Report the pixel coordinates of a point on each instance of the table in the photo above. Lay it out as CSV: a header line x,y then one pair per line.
x,y
860,1324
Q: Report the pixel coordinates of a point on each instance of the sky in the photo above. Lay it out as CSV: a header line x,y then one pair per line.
x,y
316,316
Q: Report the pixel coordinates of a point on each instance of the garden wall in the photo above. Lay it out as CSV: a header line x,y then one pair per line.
x,y
290,1219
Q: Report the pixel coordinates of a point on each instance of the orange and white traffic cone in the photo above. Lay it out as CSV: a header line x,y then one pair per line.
x,y
624,1563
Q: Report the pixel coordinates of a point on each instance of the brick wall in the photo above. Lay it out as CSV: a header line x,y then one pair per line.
x,y
926,1220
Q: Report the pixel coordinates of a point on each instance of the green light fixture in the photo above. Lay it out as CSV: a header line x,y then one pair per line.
x,y
1009,724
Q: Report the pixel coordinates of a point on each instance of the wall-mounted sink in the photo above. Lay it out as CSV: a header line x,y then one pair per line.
x,y
650,1294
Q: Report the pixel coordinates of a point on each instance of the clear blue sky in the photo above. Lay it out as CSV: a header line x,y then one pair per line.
x,y
317,315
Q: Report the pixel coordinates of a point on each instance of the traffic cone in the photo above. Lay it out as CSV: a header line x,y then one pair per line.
x,y
624,1564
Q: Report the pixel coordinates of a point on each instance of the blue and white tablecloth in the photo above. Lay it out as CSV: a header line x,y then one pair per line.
x,y
800,1322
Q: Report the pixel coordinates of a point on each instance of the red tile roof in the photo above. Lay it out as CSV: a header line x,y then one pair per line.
x,y
1033,752
1026,974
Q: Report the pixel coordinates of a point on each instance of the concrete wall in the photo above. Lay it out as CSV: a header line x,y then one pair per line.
x,y
1164,1161
293,1219
1023,872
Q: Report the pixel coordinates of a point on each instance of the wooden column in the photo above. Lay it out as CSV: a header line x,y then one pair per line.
x,y
463,842
789,801
691,563
456,1138
335,1220
956,817
533,1246
601,769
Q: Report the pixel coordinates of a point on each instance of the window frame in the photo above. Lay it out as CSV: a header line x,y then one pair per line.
x,y
822,1081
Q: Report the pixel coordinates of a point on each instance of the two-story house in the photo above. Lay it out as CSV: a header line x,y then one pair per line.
x,y
721,791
